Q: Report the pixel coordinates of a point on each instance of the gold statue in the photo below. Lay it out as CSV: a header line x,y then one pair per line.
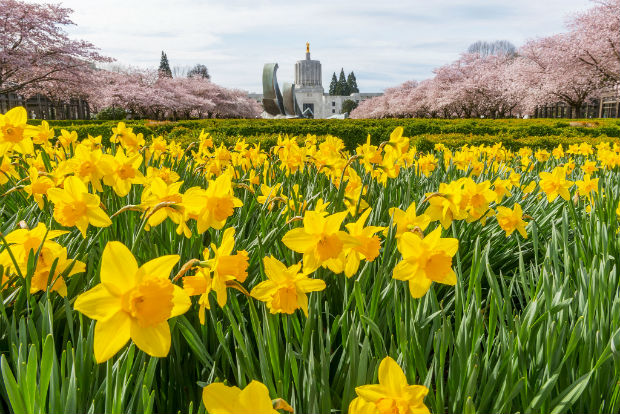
x,y
307,47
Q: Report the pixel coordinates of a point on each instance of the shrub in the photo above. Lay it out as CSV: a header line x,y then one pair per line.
x,y
112,113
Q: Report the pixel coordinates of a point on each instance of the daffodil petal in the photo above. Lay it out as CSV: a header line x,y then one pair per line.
x,y
181,302
98,303
154,340
392,377
221,399
111,335
159,267
118,268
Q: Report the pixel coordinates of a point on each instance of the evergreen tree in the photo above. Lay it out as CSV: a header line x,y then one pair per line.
x,y
200,71
352,82
164,66
342,88
348,106
333,85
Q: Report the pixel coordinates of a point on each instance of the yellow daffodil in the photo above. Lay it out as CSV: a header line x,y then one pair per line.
x,y
75,206
286,289
426,164
398,141
166,174
587,186
589,167
213,206
393,394
320,239
444,205
55,256
89,166
407,220
127,138
217,272
67,138
163,201
92,143
542,155
368,244
253,399
51,255
124,172
132,302
511,219
15,133
7,170
502,189
158,147
268,194
39,184
426,260
558,152
554,184
475,199
43,134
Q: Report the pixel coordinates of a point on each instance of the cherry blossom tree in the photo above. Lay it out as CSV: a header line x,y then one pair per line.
x,y
596,35
571,67
472,86
555,73
143,94
35,52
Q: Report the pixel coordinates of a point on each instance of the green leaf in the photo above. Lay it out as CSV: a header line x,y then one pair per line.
x,y
564,401
15,396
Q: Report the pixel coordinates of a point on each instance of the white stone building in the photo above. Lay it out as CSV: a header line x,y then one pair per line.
x,y
309,92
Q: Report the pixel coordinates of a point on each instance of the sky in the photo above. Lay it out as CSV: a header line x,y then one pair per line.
x,y
384,42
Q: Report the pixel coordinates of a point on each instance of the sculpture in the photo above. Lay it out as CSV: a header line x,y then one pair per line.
x,y
274,102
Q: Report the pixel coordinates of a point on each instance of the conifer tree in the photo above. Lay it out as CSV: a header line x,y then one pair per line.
x,y
333,85
352,83
200,71
342,88
164,66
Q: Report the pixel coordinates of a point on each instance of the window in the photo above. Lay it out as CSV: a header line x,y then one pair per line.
x,y
333,103
609,110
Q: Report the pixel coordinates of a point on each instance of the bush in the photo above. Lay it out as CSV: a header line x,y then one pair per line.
x,y
354,131
348,106
112,113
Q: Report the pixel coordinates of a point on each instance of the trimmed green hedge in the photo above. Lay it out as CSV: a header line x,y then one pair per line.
x,y
513,132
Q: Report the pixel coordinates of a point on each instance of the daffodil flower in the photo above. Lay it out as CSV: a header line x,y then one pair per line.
x,y
286,289
426,260
75,206
253,399
132,302
393,394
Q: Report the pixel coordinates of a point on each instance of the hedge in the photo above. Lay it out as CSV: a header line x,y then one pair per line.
x,y
512,132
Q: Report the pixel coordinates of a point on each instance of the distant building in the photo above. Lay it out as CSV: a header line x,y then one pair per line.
x,y
41,107
310,95
609,103
605,105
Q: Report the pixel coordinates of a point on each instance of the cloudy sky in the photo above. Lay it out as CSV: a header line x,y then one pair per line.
x,y
385,42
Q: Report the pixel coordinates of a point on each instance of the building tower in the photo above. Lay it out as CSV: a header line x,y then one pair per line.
x,y
308,86
308,72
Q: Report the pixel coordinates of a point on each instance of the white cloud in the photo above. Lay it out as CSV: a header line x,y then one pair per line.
x,y
385,43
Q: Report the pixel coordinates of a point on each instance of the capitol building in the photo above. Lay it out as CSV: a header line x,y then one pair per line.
x,y
307,92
